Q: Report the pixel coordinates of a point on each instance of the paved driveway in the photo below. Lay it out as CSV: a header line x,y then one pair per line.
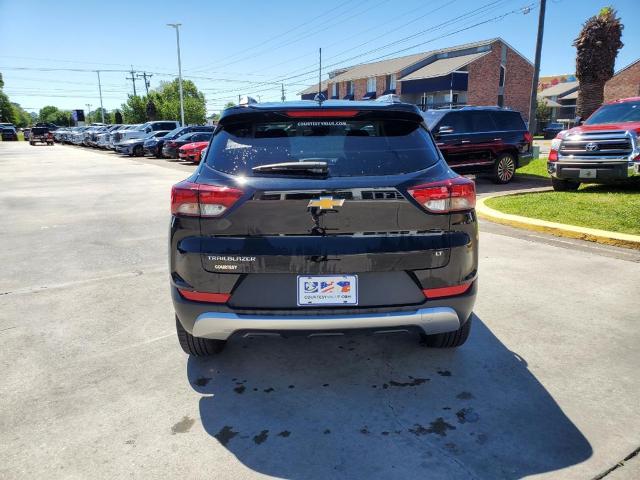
x,y
94,384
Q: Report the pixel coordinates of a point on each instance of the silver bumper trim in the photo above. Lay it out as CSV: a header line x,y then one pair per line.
x,y
221,326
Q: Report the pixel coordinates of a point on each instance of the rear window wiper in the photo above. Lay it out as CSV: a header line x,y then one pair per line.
x,y
317,168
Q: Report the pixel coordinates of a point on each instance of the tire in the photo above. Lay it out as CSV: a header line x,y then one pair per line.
x,y
560,185
32,143
449,339
158,153
196,346
138,151
504,168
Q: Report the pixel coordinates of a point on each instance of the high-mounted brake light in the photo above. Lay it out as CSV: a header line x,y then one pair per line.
x,y
451,195
321,113
197,200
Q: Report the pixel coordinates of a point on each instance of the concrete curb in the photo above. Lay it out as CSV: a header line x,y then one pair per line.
x,y
559,229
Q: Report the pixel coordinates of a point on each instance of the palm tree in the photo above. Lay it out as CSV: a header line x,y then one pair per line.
x,y
596,51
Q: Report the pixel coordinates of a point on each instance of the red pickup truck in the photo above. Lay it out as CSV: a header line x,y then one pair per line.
x,y
604,149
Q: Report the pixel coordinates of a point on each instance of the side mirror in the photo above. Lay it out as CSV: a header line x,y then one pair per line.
x,y
444,130
578,120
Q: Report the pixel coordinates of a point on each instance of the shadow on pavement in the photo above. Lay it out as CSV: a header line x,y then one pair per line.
x,y
383,407
519,182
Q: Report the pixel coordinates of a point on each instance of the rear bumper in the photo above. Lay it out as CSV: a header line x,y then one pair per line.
x,y
604,170
524,159
221,322
221,326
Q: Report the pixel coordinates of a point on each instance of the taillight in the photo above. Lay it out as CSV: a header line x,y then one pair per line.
x,y
528,137
197,200
451,195
555,146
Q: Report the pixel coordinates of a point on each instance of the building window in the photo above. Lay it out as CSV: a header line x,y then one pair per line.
x,y
350,87
502,75
371,84
334,90
391,81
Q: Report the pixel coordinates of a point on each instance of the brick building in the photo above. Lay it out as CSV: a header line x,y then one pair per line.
x,y
561,99
624,84
488,72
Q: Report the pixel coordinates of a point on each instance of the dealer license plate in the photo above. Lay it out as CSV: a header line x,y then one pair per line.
x,y
587,173
327,290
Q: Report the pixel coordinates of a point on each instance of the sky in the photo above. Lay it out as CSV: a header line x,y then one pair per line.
x,y
49,52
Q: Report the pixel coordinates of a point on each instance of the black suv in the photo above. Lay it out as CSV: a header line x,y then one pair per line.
x,y
322,218
482,140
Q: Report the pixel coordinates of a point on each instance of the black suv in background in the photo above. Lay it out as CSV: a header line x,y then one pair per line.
x,y
322,218
482,140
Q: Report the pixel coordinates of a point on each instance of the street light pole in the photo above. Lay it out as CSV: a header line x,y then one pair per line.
x,y
100,89
177,27
88,105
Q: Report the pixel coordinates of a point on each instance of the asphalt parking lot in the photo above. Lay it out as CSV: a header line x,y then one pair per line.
x,y
94,383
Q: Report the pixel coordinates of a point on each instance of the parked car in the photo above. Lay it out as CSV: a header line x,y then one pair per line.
x,y
552,129
9,133
142,130
191,152
41,135
111,142
51,126
135,146
604,149
102,139
154,146
482,140
171,147
319,219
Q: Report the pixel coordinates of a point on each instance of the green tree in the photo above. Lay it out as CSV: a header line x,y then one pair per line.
x,y
7,112
51,114
23,118
168,103
135,109
597,47
96,115
543,113
229,105
152,111
117,117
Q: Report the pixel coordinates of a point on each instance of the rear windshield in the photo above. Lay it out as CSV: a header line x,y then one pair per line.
x,y
349,147
616,112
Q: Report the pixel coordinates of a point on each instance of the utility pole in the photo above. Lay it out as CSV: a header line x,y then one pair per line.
x,y
100,90
147,83
283,98
536,69
238,99
177,27
133,80
88,105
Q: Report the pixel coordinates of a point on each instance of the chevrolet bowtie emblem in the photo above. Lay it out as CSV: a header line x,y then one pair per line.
x,y
325,203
